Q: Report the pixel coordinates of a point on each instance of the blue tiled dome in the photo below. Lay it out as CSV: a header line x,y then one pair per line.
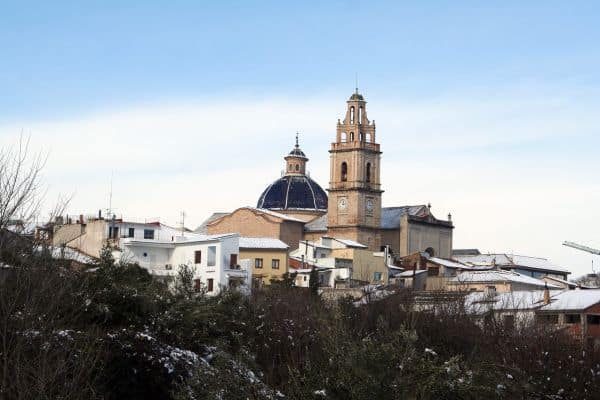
x,y
293,192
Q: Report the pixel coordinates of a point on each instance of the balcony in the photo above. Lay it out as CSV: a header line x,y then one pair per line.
x,y
356,145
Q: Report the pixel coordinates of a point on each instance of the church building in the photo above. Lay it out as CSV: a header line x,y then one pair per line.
x,y
295,207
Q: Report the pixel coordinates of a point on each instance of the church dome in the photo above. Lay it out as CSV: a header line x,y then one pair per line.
x,y
294,192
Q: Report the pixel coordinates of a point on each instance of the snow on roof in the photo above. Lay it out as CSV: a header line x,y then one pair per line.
x,y
573,300
67,253
262,243
22,228
300,271
409,273
513,261
275,214
390,216
497,276
563,281
449,263
350,243
536,263
481,302
202,229
188,238
317,224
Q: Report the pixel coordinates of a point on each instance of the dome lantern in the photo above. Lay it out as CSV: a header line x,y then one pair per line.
x,y
296,161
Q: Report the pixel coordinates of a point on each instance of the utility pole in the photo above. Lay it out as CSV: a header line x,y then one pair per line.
x,y
183,224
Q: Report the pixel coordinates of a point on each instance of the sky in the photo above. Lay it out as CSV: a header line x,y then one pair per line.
x,y
487,110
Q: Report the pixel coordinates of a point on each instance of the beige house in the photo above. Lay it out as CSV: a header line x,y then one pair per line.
x,y
339,262
89,235
269,259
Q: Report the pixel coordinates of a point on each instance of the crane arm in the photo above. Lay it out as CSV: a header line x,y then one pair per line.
x,y
582,248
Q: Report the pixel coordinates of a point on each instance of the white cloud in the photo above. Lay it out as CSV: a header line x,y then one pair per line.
x,y
512,169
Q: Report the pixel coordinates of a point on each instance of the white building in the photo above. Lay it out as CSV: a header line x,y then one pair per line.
x,y
213,259
90,234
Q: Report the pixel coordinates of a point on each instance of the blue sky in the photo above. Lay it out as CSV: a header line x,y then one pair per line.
x,y
486,109
61,57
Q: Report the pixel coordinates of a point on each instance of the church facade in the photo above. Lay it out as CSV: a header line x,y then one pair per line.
x,y
352,209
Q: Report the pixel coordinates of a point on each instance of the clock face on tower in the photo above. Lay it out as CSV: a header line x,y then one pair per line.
x,y
343,204
369,205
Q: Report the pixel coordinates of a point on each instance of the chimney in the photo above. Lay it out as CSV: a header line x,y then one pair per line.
x,y
449,217
546,294
99,214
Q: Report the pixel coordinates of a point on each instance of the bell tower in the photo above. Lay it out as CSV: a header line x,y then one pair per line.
x,y
354,206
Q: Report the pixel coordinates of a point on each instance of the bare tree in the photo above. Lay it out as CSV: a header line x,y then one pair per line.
x,y
20,185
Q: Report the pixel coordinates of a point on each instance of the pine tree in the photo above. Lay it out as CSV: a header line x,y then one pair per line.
x,y
106,258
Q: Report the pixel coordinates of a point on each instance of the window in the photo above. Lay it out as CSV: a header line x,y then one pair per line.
x,y
548,318
509,322
433,271
343,137
291,167
258,263
351,115
297,167
593,319
344,172
368,173
197,257
233,260
212,256
572,318
275,263
210,285
148,233
360,136
197,285
377,276
360,114
131,232
352,136
113,232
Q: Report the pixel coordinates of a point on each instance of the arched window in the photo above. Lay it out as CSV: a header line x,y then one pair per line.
x,y
368,172
297,167
344,137
368,137
344,172
360,110
351,115
291,167
352,136
360,136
